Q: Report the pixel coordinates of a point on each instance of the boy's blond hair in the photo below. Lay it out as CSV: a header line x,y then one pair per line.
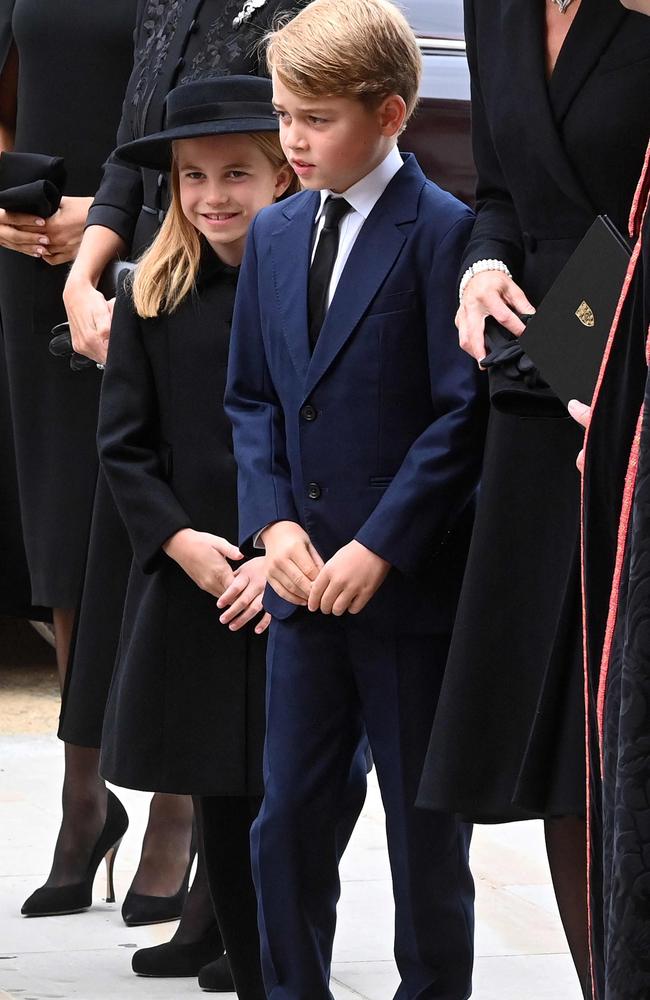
x,y
362,49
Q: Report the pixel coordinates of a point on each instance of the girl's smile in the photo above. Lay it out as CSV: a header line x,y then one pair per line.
x,y
224,181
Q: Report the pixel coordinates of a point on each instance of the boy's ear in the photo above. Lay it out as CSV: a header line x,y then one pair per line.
x,y
282,180
392,114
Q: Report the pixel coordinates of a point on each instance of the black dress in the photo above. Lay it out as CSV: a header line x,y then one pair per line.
x,y
74,63
508,740
176,42
185,713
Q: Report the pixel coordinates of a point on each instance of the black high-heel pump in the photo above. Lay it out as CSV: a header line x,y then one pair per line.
x,y
51,901
139,909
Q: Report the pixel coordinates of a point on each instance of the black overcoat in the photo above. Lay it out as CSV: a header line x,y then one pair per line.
x,y
175,43
550,157
186,706
74,62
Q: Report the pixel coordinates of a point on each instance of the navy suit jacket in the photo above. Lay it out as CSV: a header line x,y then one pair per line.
x,y
379,434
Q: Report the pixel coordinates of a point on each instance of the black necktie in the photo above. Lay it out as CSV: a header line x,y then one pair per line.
x,y
320,273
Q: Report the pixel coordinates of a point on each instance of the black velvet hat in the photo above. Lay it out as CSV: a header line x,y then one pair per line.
x,y
226,105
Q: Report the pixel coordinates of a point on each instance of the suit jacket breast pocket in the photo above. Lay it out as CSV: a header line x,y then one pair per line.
x,y
393,302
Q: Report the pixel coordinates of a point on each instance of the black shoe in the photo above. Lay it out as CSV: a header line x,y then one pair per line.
x,y
217,977
139,909
51,901
170,960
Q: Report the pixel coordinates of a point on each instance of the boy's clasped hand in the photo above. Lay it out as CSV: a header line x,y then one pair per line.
x,y
297,573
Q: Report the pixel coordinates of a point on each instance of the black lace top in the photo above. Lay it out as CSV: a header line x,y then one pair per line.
x,y
176,41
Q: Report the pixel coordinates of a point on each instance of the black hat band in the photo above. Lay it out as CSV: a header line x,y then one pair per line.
x,y
222,111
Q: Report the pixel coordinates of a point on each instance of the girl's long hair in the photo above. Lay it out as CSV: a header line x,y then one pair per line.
x,y
166,272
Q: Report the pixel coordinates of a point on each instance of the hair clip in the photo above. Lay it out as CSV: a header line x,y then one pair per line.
x,y
247,11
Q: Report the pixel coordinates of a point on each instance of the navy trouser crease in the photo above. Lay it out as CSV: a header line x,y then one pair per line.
x,y
331,680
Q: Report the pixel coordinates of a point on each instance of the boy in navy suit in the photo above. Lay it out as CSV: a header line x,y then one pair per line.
x,y
358,429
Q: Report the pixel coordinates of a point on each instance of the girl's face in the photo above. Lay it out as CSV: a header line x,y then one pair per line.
x,y
224,181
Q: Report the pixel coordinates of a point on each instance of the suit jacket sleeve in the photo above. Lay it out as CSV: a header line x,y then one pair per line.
x,y
264,479
496,233
440,472
119,198
128,439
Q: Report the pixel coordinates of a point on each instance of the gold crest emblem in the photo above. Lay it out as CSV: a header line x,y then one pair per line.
x,y
585,314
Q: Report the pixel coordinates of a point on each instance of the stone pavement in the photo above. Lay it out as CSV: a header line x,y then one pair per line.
x,y
521,952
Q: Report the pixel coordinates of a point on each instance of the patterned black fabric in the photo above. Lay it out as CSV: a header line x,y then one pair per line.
x,y
157,31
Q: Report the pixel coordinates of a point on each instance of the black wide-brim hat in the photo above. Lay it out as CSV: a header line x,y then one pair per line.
x,y
226,105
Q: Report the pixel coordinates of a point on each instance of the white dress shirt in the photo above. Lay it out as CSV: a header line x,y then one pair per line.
x,y
362,196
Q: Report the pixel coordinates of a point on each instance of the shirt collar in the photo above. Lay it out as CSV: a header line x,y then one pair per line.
x,y
364,195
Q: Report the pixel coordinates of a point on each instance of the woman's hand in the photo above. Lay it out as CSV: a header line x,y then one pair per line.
x,y
581,413
243,598
23,233
65,229
489,293
89,316
56,240
204,558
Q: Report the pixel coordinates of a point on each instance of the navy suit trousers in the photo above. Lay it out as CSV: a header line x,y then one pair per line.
x,y
329,679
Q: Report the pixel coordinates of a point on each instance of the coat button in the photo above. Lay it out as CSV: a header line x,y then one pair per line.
x,y
314,491
308,413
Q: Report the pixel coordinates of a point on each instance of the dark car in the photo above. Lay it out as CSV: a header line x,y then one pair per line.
x,y
439,132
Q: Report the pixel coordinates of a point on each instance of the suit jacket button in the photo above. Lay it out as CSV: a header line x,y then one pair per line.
x,y
308,412
314,491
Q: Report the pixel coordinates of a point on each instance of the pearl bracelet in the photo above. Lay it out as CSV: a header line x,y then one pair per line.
x,y
477,268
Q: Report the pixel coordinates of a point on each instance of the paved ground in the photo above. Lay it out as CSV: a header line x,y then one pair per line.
x,y
521,953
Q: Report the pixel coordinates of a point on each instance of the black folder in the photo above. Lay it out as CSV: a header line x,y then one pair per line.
x,y
566,337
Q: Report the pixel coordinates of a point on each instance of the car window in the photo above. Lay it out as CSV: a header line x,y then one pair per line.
x,y
435,18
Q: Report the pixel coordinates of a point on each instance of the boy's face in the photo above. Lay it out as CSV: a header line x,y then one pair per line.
x,y
332,142
224,182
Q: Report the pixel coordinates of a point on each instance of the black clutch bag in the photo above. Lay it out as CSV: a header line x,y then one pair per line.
x,y
31,182
566,337
61,342
558,356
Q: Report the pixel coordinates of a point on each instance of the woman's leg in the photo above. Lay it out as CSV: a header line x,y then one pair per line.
x,y
63,620
224,824
84,814
566,846
166,846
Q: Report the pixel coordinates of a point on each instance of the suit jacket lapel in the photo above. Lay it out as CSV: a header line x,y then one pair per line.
x,y
291,243
594,25
375,251
525,96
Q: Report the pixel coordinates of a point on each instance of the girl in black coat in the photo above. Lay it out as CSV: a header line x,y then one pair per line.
x,y
175,43
186,708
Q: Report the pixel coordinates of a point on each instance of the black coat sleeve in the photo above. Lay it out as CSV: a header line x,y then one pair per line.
x,y
496,232
129,442
6,36
118,200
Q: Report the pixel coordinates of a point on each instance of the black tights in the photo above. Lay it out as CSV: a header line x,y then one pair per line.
x,y
566,847
224,825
